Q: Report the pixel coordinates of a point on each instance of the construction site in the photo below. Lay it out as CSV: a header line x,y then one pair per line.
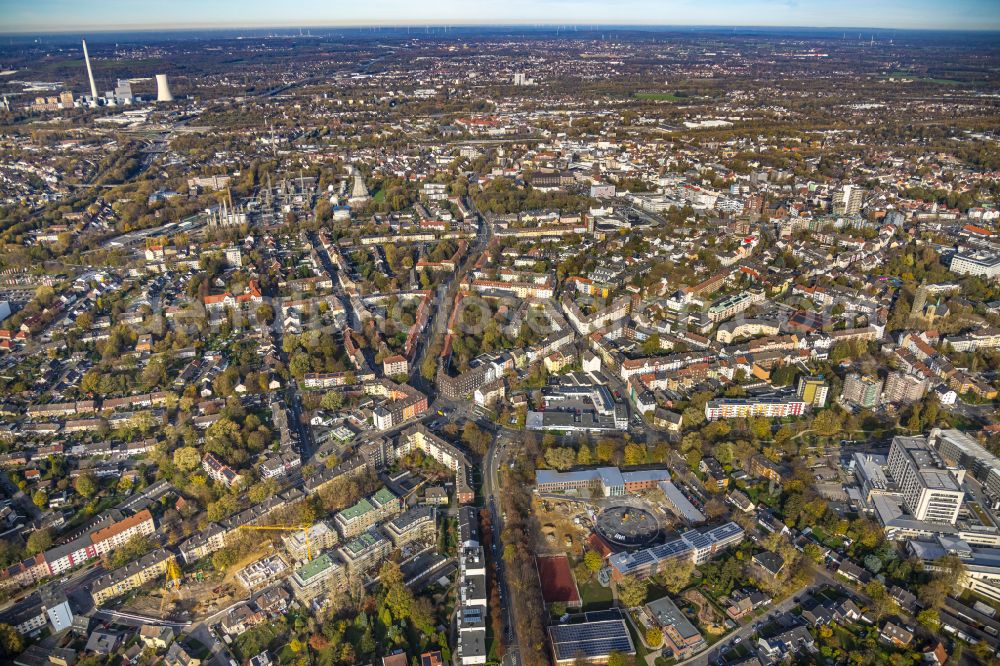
x,y
622,522
205,591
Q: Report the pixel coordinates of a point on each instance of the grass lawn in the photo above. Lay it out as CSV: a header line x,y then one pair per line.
x,y
770,629
738,651
595,597
827,540
658,97
287,656
491,643
251,642
640,649
197,649
848,641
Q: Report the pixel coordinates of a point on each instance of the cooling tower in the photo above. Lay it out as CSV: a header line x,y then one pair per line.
x,y
163,93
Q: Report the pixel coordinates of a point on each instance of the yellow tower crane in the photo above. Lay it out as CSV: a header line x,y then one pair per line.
x,y
172,579
285,528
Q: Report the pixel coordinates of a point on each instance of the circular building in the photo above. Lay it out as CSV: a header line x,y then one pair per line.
x,y
627,527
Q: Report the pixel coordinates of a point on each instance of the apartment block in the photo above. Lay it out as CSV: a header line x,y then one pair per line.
x,y
132,576
324,574
416,524
365,552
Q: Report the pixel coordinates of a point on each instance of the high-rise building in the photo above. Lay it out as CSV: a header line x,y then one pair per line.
x,y
848,200
931,490
234,257
812,391
864,391
904,388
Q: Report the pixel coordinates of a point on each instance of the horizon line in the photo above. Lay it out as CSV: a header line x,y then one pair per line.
x,y
185,27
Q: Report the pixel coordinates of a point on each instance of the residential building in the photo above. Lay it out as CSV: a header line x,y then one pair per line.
x,y
395,365
848,200
219,471
864,391
680,637
741,408
419,438
325,573
367,512
365,552
414,525
133,575
321,536
904,388
812,391
156,636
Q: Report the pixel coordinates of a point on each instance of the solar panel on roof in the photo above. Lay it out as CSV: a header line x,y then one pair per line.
x,y
604,615
611,637
594,647
642,557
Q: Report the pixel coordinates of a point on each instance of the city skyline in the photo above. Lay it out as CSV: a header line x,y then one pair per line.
x,y
61,16
521,335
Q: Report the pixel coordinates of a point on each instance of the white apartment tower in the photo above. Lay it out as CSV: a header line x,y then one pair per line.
x,y
848,201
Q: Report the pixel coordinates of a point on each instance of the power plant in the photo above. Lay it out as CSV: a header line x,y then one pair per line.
x,y
121,95
90,74
163,93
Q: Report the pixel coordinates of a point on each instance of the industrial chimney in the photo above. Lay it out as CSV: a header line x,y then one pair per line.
x,y
163,93
90,74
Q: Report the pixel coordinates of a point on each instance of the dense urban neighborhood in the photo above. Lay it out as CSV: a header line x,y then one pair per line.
x,y
456,347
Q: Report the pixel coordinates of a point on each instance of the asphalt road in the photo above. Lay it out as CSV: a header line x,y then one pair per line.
x,y
76,587
712,655
820,579
495,457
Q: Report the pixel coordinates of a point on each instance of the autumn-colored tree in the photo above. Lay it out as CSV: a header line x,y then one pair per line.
x,y
187,458
828,423
635,454
632,591
85,485
11,642
593,560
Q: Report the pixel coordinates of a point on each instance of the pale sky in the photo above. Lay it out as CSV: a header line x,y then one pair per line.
x,y
39,16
